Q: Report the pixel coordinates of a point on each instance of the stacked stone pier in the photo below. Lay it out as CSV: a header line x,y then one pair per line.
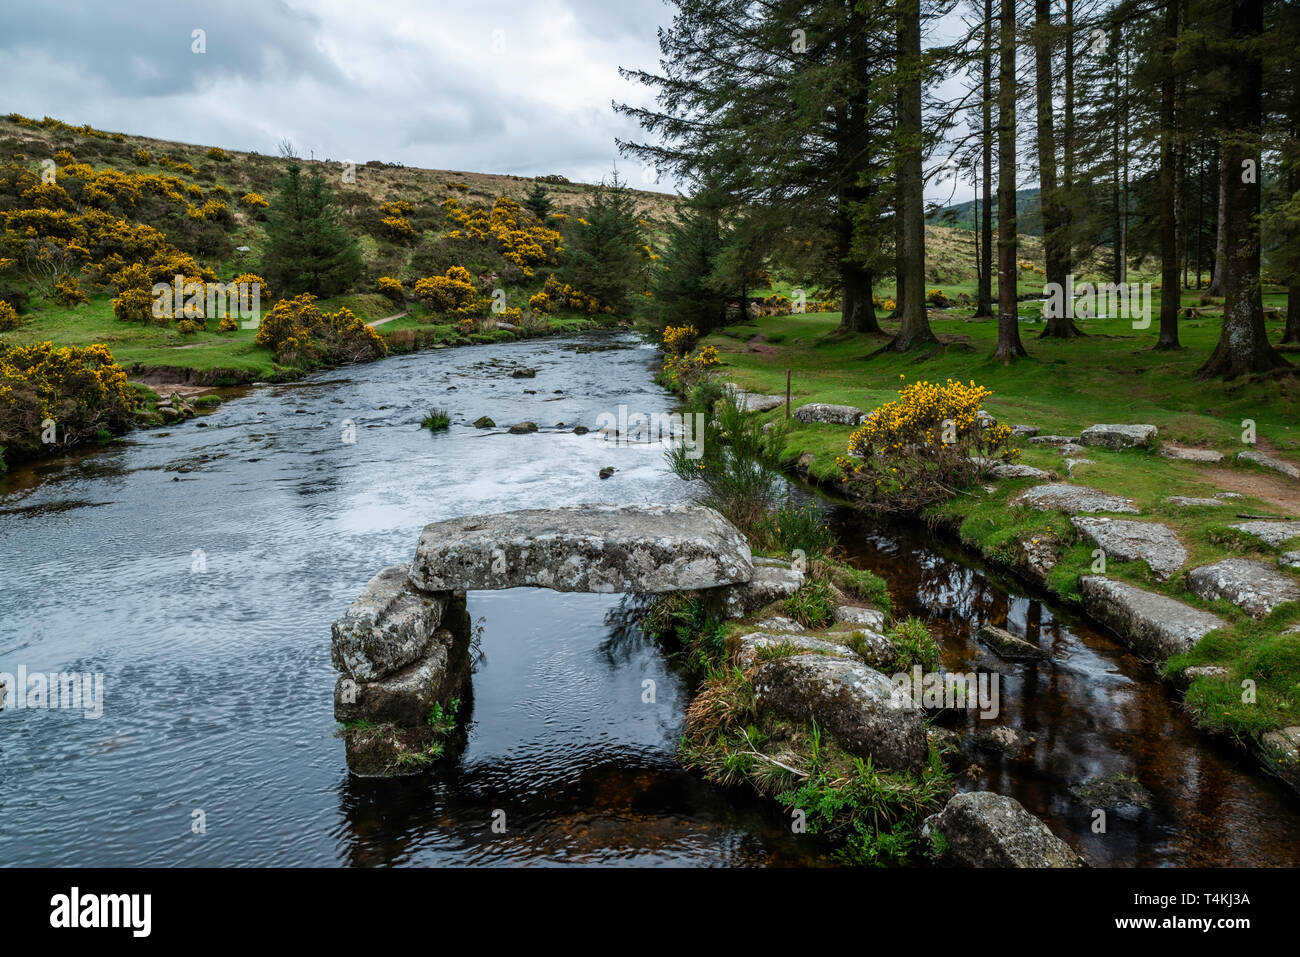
x,y
403,647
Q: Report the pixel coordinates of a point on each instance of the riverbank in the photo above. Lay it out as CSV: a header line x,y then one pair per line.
x,y
1066,387
175,376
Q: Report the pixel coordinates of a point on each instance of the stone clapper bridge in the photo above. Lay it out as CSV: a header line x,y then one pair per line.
x,y
403,646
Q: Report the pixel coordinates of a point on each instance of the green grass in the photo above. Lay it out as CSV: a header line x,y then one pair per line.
x,y
1113,375
437,420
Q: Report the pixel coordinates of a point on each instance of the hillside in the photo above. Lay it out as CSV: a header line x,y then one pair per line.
x,y
1029,218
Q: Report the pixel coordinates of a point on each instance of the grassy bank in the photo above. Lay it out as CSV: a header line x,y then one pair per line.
x,y
1065,386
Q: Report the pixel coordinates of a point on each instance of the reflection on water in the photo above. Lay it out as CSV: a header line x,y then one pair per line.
x,y
1093,711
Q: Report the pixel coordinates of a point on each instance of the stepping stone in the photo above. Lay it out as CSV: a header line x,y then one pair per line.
x,y
1024,431
1183,501
1270,533
1018,471
1277,465
832,414
1289,559
1052,439
1074,499
1155,626
1185,454
1118,437
1254,587
1135,542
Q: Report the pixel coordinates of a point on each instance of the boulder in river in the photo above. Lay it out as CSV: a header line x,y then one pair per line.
x,y
1254,587
484,422
523,428
852,701
983,829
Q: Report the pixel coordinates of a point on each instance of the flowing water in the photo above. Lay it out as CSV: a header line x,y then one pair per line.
x,y
198,569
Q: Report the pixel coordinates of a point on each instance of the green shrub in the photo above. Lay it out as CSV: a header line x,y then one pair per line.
x,y
914,645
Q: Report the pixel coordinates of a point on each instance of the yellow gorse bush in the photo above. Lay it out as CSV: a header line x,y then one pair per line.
x,y
453,292
679,340
922,447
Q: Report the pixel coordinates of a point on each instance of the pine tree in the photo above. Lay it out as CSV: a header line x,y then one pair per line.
x,y
685,290
308,249
538,202
604,254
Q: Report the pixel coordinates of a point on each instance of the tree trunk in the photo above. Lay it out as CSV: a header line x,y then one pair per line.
x,y
1243,342
1067,143
1009,346
915,327
984,299
1058,326
1220,234
1292,331
859,312
1169,286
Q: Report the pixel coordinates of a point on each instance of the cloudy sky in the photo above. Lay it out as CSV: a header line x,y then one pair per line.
x,y
483,85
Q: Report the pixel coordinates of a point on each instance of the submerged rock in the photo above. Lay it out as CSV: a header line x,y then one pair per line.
x,y
1008,646
1112,791
1133,541
1254,587
983,829
1119,436
593,548
1155,626
852,701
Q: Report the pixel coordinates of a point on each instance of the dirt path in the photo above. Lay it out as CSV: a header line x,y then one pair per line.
x,y
380,322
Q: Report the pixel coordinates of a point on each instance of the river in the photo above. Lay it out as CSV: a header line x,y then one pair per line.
x,y
198,569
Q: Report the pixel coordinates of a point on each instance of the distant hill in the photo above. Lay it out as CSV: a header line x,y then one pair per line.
x,y
1029,219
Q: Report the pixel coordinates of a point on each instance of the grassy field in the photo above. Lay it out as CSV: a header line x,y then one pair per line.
x,y
1112,375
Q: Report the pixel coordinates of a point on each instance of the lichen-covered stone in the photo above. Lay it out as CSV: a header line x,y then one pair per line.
x,y
1277,465
590,548
1270,533
747,655
852,701
1155,626
770,583
387,627
1133,541
1119,436
1254,587
833,414
1185,454
1073,499
860,615
983,829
